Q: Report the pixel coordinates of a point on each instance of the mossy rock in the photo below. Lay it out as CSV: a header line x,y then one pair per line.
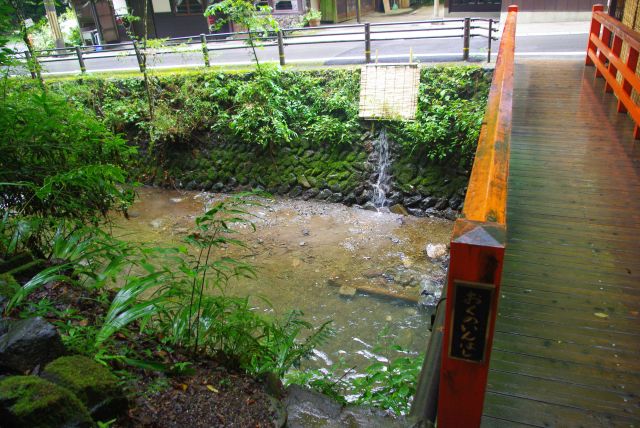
x,y
91,382
28,401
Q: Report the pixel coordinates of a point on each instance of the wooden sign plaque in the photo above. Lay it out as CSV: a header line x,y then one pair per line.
x,y
472,308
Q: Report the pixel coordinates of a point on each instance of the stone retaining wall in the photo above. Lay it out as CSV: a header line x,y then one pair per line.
x,y
333,174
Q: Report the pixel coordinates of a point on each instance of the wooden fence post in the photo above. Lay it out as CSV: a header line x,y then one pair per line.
x,y
473,290
281,47
205,50
595,30
489,40
83,69
367,43
466,39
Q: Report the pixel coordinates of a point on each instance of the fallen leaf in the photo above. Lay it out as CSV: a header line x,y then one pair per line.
x,y
634,313
601,315
212,389
184,386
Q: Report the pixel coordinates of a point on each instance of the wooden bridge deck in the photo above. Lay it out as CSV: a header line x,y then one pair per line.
x,y
567,343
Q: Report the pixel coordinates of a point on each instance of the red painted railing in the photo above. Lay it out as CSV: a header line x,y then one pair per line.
x,y
477,253
604,53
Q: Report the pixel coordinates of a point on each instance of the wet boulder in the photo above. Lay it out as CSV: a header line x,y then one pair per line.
x,y
29,343
398,209
442,204
295,192
365,196
307,408
335,197
430,292
450,214
369,206
324,194
95,386
347,291
417,212
436,251
29,401
394,198
310,194
428,202
350,199
412,201
455,202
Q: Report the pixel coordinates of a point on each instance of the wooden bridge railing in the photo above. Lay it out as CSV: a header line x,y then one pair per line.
x,y
477,252
605,54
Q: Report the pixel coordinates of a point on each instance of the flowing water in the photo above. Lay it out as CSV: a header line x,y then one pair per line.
x,y
383,181
307,253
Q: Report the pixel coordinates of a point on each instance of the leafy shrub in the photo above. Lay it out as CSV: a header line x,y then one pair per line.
x,y
58,161
451,106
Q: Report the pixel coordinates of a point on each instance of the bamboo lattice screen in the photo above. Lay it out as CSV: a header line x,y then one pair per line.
x,y
389,91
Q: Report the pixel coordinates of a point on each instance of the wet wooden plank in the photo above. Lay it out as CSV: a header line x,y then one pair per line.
x,y
567,338
510,411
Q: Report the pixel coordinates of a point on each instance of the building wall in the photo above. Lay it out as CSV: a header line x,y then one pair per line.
x,y
170,25
552,11
543,10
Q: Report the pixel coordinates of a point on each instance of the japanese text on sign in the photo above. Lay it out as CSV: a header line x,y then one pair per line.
x,y
472,310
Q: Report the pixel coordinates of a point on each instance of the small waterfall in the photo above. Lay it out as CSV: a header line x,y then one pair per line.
x,y
383,182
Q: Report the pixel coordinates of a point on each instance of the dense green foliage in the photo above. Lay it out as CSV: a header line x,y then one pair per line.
x,y
451,104
58,161
290,108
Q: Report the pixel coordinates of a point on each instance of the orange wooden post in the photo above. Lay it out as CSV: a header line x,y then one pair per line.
x,y
473,290
606,38
632,63
595,30
615,49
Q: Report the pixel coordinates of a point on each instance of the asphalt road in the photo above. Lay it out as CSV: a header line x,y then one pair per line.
x,y
333,53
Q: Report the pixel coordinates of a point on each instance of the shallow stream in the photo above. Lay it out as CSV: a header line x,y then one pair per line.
x,y
311,256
